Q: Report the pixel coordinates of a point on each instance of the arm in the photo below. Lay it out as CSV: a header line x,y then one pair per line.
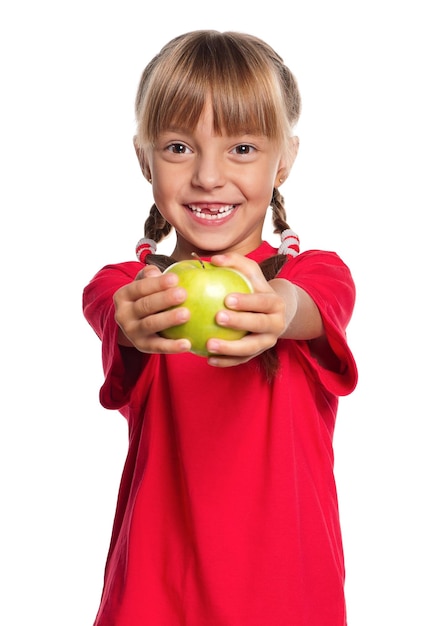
x,y
276,309
121,366
287,307
302,317
122,303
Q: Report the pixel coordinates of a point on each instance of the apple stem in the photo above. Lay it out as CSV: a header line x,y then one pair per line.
x,y
195,255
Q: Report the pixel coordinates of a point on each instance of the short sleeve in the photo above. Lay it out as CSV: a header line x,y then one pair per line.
x,y
121,366
328,281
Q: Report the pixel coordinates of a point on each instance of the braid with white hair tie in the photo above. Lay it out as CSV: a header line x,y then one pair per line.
x,y
290,243
144,247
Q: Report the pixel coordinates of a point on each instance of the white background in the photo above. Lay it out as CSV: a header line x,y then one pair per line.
x,y
73,199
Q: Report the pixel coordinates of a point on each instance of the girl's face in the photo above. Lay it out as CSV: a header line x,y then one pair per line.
x,y
214,190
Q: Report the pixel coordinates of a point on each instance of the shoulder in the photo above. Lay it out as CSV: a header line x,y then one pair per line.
x,y
327,279
110,278
314,257
118,272
320,265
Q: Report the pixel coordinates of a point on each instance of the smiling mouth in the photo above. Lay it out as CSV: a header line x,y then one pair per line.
x,y
218,213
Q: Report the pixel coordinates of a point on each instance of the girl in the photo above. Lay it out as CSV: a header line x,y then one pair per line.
x,y
227,512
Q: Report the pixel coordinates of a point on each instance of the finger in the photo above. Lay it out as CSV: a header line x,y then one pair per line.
x,y
158,302
147,271
246,266
255,323
150,280
158,322
149,315
268,302
224,361
145,297
246,348
158,345
246,321
144,333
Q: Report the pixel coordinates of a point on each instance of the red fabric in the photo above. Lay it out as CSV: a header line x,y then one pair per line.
x,y
227,511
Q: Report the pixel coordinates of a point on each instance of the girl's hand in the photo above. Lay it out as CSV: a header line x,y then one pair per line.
x,y
265,314
140,312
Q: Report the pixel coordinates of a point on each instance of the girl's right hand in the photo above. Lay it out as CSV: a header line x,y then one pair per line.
x,y
142,310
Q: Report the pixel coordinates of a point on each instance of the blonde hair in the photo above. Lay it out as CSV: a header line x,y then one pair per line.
x,y
250,87
251,90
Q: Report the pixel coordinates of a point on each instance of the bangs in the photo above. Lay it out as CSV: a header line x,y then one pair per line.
x,y
239,79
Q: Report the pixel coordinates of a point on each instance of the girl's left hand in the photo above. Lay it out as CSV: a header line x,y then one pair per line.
x,y
264,314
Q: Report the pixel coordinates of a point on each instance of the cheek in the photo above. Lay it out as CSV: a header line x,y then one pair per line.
x,y
263,186
265,176
162,184
164,194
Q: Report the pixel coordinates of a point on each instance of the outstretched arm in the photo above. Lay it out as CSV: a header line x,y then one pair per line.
x,y
303,319
276,309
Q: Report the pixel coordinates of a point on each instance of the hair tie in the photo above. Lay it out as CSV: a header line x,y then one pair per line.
x,y
290,243
144,247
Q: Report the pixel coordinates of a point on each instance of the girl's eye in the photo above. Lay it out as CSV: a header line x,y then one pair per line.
x,y
178,148
243,149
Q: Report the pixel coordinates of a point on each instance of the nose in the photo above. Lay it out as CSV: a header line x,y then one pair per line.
x,y
209,172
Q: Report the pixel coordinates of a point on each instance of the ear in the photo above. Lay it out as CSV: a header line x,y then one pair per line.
x,y
142,159
287,161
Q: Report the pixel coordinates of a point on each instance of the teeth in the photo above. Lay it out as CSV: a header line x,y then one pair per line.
x,y
216,214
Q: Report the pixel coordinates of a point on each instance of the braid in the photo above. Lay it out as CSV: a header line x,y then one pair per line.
x,y
156,227
271,266
279,213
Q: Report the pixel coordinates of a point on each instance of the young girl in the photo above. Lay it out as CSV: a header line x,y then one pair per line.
x,y
227,512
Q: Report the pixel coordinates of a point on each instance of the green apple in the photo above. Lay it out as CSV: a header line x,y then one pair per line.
x,y
207,286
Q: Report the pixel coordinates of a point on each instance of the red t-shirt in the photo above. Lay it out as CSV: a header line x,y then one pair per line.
x,y
227,511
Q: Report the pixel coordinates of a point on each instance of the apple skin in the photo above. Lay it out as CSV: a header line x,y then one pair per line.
x,y
207,286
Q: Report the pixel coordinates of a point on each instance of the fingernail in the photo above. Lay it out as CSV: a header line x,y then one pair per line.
x,y
182,315
179,294
219,257
222,317
231,301
171,279
213,345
